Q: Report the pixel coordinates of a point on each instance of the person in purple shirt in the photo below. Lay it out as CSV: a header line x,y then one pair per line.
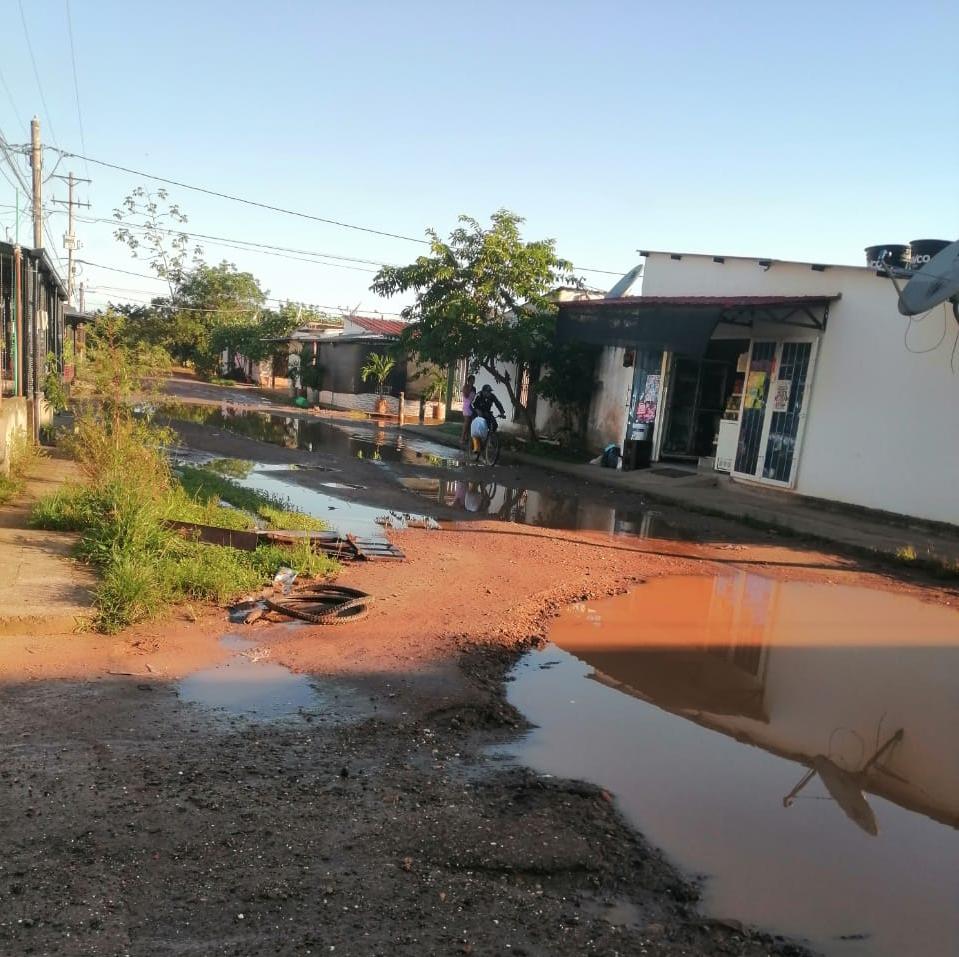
x,y
469,393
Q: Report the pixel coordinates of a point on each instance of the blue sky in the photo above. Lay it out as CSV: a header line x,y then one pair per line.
x,y
801,131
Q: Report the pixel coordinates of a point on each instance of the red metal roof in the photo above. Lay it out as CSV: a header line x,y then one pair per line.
x,y
379,327
723,302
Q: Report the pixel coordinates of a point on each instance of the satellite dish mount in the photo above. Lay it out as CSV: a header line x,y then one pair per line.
x,y
935,282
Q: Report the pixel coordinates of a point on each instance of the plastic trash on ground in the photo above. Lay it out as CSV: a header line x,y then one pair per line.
x,y
283,580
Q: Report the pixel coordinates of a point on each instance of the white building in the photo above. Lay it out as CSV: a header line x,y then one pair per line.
x,y
799,376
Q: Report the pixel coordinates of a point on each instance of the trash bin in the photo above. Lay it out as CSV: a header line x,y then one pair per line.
x,y
637,454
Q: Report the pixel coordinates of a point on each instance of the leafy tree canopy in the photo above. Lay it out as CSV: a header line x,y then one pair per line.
x,y
483,293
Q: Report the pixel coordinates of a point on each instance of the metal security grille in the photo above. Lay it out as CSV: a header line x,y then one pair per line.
x,y
754,407
784,425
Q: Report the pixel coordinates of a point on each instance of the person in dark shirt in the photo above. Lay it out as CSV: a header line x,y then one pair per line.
x,y
483,405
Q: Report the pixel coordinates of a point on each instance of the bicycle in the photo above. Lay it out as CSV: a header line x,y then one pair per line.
x,y
488,453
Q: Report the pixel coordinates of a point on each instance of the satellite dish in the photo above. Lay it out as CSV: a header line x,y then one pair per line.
x,y
622,287
933,284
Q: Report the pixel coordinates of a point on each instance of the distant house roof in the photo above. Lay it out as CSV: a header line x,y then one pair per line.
x,y
379,327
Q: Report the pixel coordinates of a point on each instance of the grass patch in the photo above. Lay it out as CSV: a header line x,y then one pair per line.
x,y
120,512
206,487
231,468
24,456
577,454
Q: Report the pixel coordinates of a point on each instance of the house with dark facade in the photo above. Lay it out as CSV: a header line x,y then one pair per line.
x,y
32,300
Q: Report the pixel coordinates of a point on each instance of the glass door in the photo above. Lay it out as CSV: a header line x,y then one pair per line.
x,y
774,409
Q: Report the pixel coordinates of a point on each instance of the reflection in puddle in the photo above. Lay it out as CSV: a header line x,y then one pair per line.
x,y
540,508
347,517
248,686
292,432
750,728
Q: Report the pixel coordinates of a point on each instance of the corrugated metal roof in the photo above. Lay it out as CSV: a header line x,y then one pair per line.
x,y
380,327
723,302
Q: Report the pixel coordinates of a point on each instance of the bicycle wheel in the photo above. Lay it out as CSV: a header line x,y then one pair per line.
x,y
491,451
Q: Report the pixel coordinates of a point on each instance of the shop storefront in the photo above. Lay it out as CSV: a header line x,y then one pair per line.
x,y
717,382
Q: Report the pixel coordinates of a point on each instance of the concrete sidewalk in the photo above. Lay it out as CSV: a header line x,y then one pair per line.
x,y
45,591
716,494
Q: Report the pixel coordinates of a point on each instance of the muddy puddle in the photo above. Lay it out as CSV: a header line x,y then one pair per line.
x,y
360,441
248,685
793,744
283,481
347,517
541,508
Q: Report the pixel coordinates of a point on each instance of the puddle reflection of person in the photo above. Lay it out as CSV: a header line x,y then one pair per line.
x,y
469,394
459,495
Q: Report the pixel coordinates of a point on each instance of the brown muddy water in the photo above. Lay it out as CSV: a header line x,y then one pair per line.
x,y
361,441
540,507
248,685
796,745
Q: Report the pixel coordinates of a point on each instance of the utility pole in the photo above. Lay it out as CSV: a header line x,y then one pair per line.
x,y
36,164
69,239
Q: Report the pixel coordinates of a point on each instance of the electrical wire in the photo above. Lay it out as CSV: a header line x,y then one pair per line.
x,y
36,72
244,245
76,85
7,151
13,105
231,239
103,292
142,275
271,207
240,199
915,319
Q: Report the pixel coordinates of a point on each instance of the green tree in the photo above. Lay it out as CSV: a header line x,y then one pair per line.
x,y
378,368
568,380
215,308
148,223
484,294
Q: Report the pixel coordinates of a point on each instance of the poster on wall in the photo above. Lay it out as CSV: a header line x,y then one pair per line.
x,y
651,390
755,390
781,392
645,411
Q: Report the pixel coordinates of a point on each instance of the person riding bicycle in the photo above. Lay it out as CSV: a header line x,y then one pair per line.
x,y
483,405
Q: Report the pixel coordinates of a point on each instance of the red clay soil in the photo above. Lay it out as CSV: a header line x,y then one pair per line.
x,y
135,823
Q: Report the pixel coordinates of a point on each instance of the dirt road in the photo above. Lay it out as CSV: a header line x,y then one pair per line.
x,y
381,820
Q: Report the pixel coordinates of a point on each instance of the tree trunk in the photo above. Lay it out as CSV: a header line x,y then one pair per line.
x,y
507,382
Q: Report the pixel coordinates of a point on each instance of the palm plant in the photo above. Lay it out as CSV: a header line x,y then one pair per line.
x,y
435,390
378,367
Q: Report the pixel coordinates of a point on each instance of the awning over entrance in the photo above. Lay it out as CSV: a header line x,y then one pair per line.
x,y
682,324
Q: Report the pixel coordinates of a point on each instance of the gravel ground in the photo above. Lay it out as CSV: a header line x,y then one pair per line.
x,y
381,821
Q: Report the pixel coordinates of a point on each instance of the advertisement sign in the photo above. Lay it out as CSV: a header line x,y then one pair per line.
x,y
755,390
781,392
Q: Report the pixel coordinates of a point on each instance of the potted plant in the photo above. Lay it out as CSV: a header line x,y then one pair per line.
x,y
311,376
378,368
435,394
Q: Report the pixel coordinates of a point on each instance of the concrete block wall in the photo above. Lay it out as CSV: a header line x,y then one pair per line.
x,y
14,417
366,402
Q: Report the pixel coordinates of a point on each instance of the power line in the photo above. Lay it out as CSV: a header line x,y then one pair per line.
x,y
13,106
240,199
245,245
275,209
36,72
143,275
76,84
